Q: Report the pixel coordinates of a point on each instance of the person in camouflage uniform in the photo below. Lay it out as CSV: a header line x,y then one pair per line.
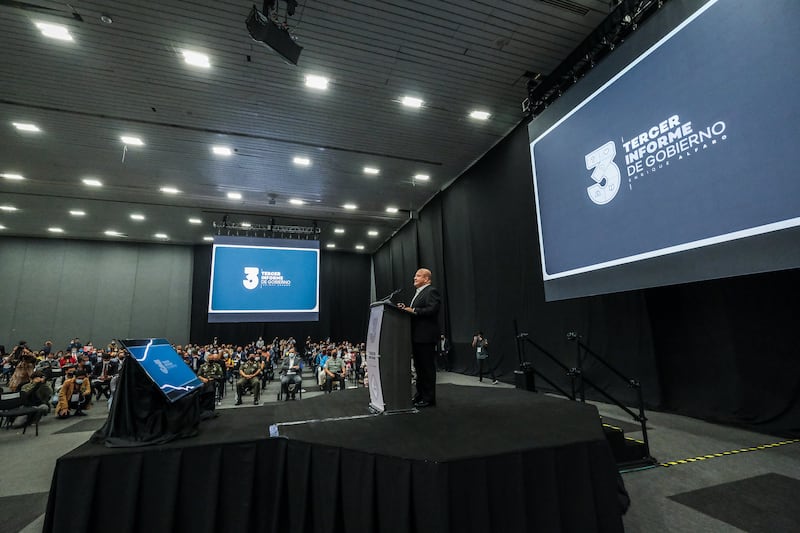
x,y
249,373
213,376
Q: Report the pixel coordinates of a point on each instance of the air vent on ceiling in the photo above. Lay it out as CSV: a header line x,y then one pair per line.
x,y
568,5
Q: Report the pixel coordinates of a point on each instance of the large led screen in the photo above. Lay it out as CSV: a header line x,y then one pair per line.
x,y
690,144
264,280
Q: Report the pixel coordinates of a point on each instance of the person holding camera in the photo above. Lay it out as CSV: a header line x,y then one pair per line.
x,y
481,345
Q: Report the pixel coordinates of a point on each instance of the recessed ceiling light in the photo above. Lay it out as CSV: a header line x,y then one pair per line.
x,y
350,206
195,221
392,210
296,201
13,177
131,140
2,227
77,213
330,245
112,233
222,150
359,246
169,190
137,216
410,101
54,31
480,115
55,230
246,224
234,196
316,82
338,230
422,177
208,238
372,233
301,161
26,126
161,236
372,171
7,208
92,182
196,59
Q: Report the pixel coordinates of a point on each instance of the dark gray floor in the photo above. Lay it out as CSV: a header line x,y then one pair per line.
x,y
737,492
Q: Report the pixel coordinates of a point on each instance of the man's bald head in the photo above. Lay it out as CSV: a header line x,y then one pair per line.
x,y
422,277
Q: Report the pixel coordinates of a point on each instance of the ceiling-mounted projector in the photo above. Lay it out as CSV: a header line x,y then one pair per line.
x,y
265,30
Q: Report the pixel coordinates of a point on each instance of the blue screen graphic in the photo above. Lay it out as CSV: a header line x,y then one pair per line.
x,y
264,280
164,366
691,145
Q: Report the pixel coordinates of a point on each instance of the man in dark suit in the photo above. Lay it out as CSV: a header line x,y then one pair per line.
x,y
424,309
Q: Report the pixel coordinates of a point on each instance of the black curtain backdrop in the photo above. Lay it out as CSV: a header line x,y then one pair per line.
x,y
344,304
722,350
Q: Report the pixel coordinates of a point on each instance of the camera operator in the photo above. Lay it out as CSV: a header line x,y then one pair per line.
x,y
481,345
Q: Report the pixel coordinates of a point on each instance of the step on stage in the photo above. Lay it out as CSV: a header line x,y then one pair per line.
x,y
482,460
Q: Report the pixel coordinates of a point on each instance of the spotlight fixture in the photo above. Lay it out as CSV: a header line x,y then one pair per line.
x,y
392,210
330,245
301,161
338,230
8,208
169,190
195,221
350,206
271,33
372,171
372,233
296,201
246,225
234,196
92,182
208,238
137,216
162,236
359,246
422,177
113,233
13,177
221,150
77,213
55,230
2,227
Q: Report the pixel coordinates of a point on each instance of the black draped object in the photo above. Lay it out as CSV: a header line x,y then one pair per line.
x,y
507,460
141,415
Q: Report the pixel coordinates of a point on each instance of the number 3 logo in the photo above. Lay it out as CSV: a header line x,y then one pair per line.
x,y
250,280
606,174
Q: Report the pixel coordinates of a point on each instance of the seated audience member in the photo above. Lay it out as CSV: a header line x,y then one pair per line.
x,y
66,358
25,362
291,369
75,393
101,376
334,371
322,358
266,366
37,393
249,373
213,377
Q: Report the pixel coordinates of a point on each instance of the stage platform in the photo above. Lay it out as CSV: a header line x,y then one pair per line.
x,y
500,460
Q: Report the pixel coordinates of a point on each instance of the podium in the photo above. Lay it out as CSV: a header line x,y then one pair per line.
x,y
389,358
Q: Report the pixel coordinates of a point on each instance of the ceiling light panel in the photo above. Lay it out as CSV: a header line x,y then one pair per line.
x,y
372,171
92,182
480,115
196,59
13,177
234,195
54,31
26,126
169,190
317,82
410,101
301,161
222,150
131,140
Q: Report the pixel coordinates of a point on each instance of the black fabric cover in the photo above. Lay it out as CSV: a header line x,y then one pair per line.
x,y
141,415
516,461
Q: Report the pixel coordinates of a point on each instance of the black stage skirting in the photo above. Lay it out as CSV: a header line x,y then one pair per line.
x,y
501,460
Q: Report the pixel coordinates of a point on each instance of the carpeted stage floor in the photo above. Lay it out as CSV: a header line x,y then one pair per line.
x,y
511,461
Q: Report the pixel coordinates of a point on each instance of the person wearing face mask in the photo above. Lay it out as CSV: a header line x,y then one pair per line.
x,y
75,393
